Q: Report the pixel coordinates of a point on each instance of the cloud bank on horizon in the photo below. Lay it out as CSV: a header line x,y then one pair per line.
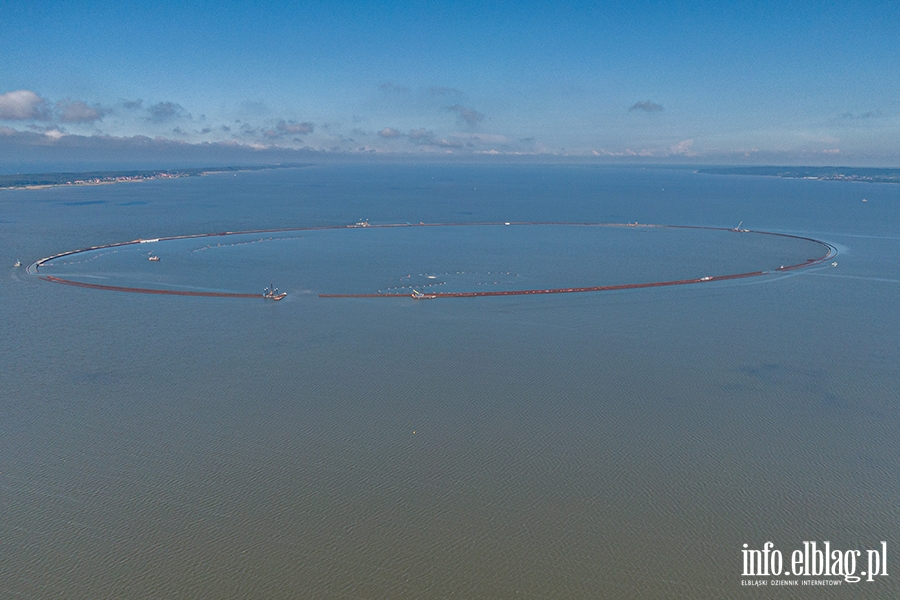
x,y
680,82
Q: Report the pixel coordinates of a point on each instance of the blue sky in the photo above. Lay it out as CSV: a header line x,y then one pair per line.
x,y
697,82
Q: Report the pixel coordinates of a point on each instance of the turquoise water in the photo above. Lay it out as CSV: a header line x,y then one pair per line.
x,y
621,444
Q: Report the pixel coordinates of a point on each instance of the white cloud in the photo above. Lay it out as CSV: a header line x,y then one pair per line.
x,y
79,112
646,106
684,148
284,128
469,115
421,134
162,112
296,128
485,138
21,105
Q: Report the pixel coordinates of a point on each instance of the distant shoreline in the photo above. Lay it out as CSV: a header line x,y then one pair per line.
x,y
857,174
42,181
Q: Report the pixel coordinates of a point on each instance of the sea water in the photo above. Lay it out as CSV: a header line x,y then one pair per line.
x,y
622,444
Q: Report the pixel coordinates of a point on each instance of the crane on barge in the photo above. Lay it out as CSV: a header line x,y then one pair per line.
x,y
271,293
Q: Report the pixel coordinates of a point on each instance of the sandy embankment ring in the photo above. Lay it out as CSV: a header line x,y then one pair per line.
x,y
829,252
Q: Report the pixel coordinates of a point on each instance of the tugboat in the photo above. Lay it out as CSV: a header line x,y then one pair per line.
x,y
271,293
417,295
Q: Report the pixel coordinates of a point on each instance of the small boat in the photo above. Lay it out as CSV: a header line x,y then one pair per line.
x,y
271,293
417,295
18,264
153,258
834,264
707,278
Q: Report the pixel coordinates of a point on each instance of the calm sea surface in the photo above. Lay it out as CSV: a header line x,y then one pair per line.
x,y
599,445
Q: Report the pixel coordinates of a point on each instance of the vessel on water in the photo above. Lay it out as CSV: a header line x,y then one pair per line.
x,y
417,295
18,264
153,258
271,293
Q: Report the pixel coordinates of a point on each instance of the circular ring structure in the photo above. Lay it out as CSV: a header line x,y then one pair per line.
x,y
828,252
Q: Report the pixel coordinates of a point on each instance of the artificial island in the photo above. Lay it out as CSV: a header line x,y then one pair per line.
x,y
826,252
